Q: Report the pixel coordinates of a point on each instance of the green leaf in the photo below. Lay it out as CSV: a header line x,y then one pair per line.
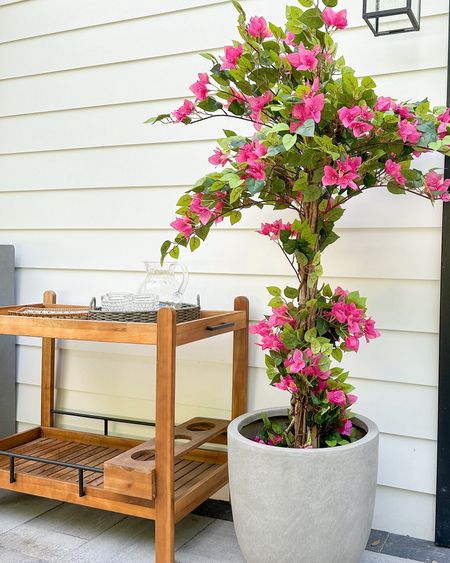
x,y
159,117
280,127
310,334
301,258
274,291
235,217
337,354
233,180
194,243
301,183
210,104
312,279
235,194
254,186
312,18
315,346
236,108
311,193
209,56
368,82
229,133
184,200
327,291
264,78
307,129
289,141
395,188
175,252
306,3
238,7
291,292
330,3
275,302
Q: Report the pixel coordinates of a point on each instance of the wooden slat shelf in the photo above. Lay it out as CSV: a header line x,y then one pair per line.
x,y
161,479
190,471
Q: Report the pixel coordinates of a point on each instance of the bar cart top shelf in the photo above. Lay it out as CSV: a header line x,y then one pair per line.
x,y
209,324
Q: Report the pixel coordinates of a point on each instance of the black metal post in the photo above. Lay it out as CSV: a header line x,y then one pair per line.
x,y
442,536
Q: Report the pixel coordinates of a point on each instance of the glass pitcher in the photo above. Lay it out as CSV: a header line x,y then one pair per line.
x,y
168,281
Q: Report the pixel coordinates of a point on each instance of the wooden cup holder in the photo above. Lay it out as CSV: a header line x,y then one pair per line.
x,y
133,471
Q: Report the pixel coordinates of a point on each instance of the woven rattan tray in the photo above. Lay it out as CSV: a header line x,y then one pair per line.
x,y
53,311
184,312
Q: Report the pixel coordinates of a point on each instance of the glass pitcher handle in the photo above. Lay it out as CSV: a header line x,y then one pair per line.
x,y
181,269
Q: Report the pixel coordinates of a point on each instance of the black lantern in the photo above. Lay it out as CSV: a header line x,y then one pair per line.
x,y
386,17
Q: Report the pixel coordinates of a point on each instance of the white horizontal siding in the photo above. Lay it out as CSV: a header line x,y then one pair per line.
x,y
87,192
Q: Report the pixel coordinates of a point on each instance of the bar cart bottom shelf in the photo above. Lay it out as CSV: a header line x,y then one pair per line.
x,y
69,466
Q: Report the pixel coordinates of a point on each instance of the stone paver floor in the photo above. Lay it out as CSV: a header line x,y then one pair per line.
x,y
34,530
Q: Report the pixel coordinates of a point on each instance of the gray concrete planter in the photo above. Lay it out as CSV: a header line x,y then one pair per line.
x,y
301,506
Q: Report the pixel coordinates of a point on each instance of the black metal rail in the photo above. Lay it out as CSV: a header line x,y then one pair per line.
x,y
81,468
106,419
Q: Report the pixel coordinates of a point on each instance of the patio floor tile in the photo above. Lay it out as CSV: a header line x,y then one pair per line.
x,y
16,509
132,540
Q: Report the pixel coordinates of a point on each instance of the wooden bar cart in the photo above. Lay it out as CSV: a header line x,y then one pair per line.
x,y
160,479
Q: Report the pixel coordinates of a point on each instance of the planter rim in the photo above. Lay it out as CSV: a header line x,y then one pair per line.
x,y
238,423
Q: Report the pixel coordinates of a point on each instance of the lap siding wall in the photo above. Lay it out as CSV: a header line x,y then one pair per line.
x,y
87,192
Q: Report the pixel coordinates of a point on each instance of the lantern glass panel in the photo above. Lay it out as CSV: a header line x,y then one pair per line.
x,y
378,5
394,23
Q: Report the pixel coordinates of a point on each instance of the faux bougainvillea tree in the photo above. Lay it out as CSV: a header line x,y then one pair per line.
x,y
321,138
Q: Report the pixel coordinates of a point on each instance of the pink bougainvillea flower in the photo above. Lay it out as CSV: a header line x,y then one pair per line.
x,y
280,316
299,112
348,115
218,158
341,292
366,114
256,170
290,39
408,132
444,120
384,104
257,104
346,428
251,151
337,397
402,111
273,230
236,96
344,176
258,27
295,361
183,225
395,171
204,213
183,111
360,128
200,88
437,186
335,19
338,310
231,56
286,384
352,398
304,59
314,105
370,332
352,343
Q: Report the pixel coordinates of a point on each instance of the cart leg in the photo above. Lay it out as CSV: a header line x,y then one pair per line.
x,y
240,362
165,421
48,371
